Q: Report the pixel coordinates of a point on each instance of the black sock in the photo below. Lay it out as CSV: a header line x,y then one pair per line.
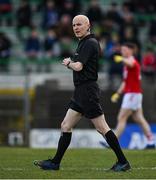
x,y
63,144
114,144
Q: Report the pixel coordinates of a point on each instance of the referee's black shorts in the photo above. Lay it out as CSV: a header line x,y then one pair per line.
x,y
86,100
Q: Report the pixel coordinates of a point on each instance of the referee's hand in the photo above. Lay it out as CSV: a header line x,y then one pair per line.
x,y
66,61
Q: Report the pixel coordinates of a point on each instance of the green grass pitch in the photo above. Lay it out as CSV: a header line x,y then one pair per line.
x,y
17,163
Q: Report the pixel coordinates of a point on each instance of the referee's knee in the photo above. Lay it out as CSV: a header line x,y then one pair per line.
x,y
65,127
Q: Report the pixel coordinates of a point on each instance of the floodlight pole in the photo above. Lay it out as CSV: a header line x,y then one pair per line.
x,y
26,106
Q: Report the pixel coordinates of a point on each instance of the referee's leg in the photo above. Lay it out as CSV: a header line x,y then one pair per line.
x,y
70,120
103,128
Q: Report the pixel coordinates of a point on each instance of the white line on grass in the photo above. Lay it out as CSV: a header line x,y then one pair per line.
x,y
12,169
78,169
106,169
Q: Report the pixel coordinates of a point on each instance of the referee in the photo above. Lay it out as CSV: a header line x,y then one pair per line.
x,y
85,100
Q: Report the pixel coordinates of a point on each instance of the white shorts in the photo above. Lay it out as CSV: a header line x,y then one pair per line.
x,y
132,101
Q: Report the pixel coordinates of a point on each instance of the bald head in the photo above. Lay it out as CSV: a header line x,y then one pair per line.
x,y
81,26
82,18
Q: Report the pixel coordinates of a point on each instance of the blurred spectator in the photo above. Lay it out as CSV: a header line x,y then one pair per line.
x,y
33,45
132,5
112,48
127,22
32,48
5,52
130,36
111,42
23,16
67,46
125,12
144,6
64,28
77,7
128,28
51,48
51,44
152,31
115,69
94,12
6,11
68,9
113,13
107,28
149,64
50,15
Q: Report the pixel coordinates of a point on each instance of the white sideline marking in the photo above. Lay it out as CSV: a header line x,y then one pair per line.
x,y
106,169
80,169
12,169
145,168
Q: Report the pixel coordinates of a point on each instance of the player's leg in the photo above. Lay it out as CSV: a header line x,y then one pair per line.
x,y
70,120
103,128
140,119
122,120
125,111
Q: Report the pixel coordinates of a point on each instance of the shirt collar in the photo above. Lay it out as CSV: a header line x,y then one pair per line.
x,y
87,37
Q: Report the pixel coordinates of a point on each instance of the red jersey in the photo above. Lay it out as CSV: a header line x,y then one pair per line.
x,y
132,78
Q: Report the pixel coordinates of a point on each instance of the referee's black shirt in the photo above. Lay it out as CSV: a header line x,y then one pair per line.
x,y
87,53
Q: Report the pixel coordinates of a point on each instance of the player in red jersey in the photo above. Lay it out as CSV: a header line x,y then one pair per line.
x,y
132,99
